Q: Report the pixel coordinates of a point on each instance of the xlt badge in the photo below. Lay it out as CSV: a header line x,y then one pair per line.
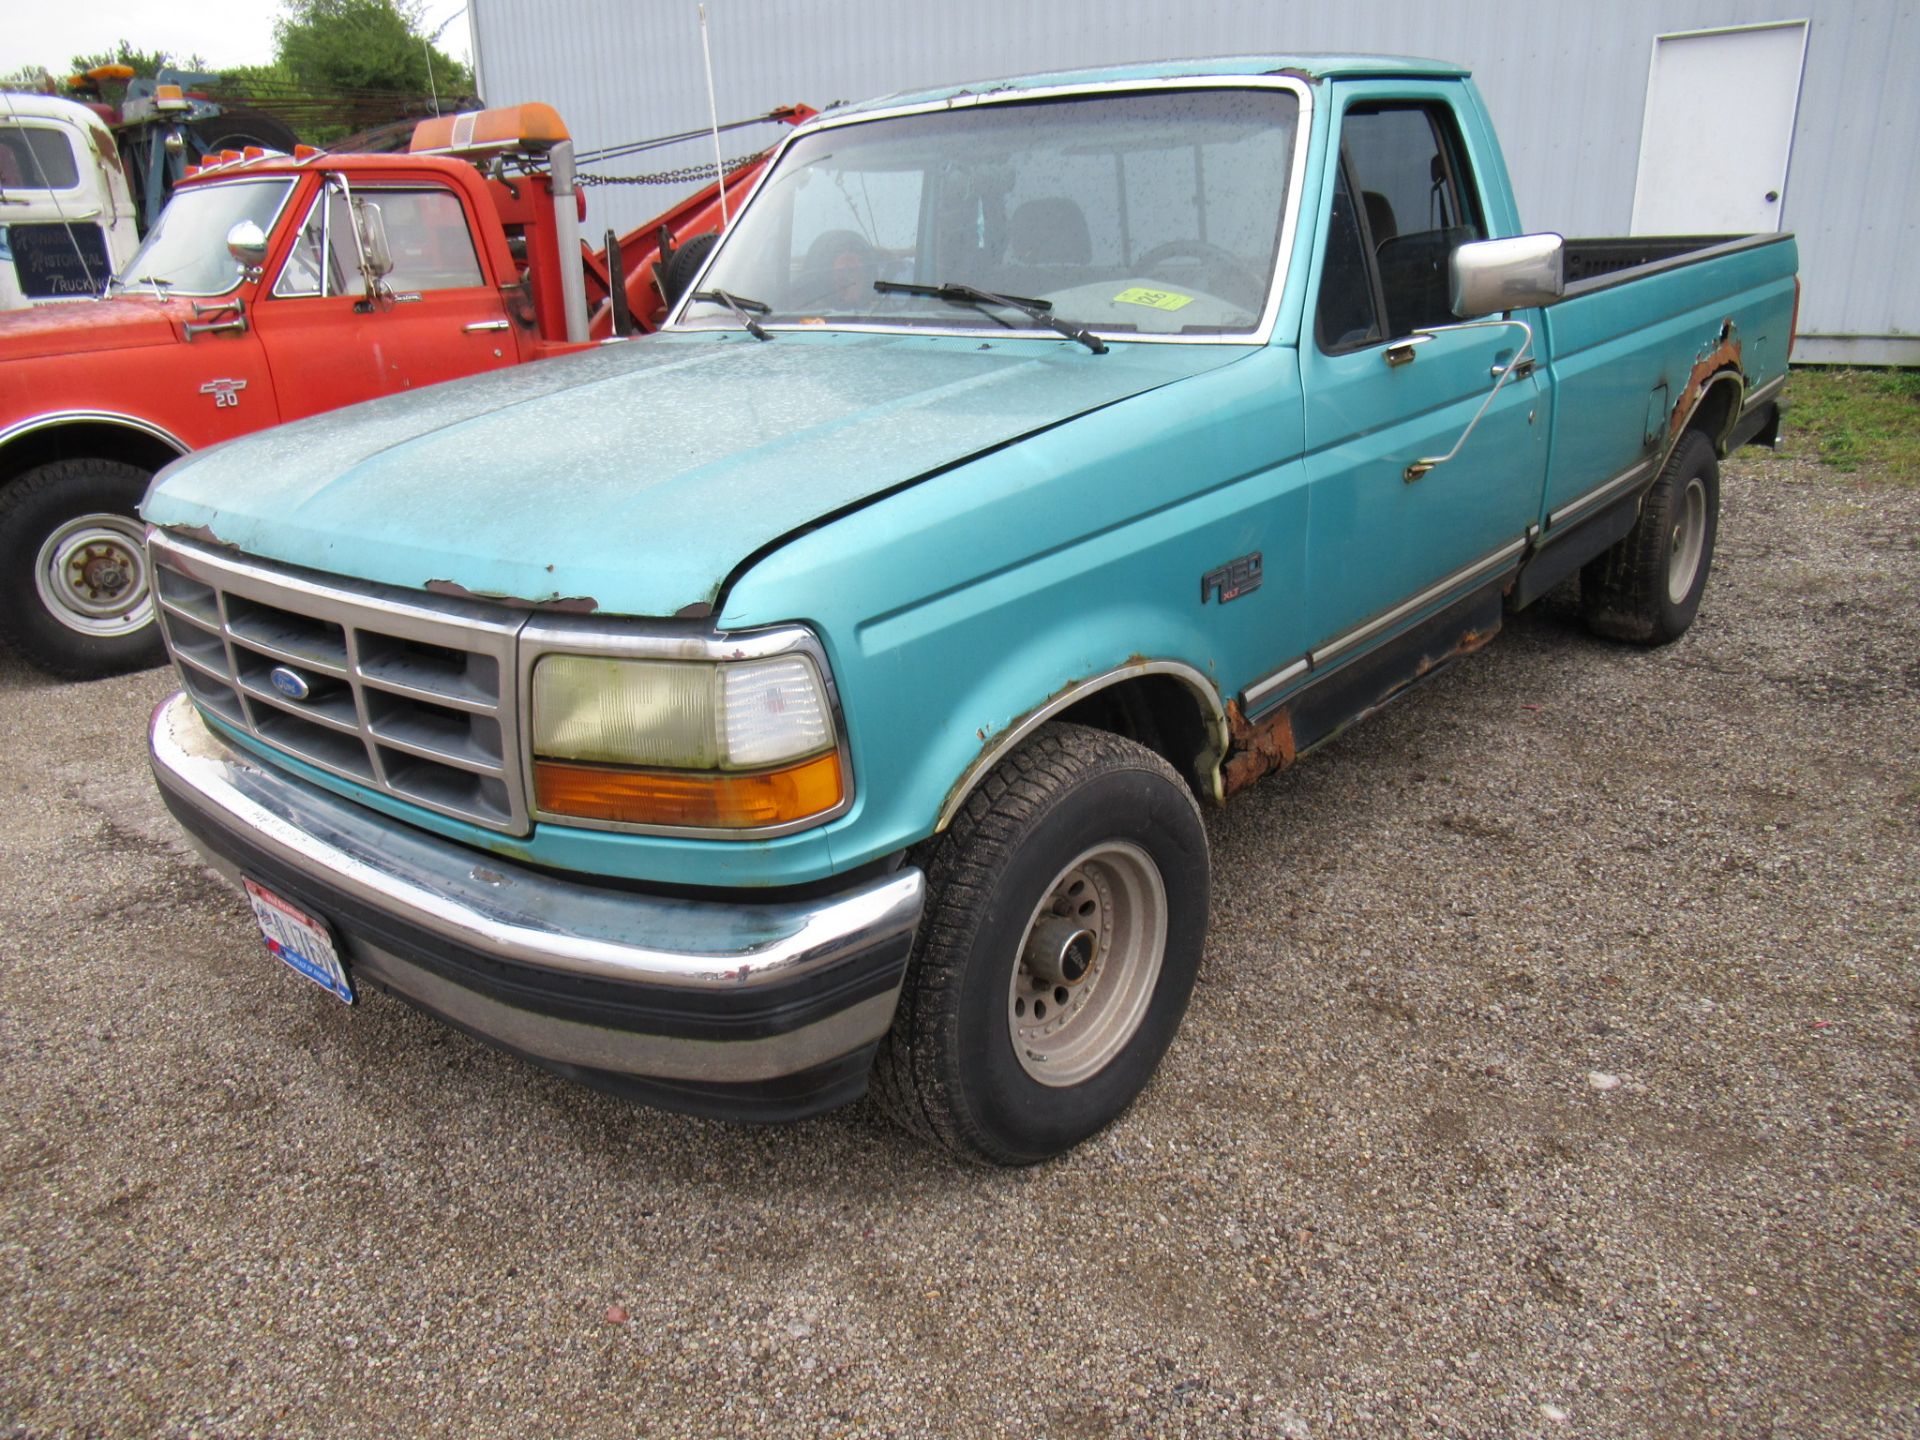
x,y
1232,580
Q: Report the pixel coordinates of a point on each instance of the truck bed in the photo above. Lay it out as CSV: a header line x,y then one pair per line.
x,y
1599,262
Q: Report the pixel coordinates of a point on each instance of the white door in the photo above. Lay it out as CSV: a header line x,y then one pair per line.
x,y
1719,130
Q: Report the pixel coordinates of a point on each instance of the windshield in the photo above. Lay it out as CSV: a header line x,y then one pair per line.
x,y
1147,213
186,251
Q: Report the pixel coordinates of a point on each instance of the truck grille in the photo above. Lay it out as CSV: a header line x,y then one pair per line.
x,y
412,697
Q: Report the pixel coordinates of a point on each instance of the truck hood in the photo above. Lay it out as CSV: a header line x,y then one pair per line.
x,y
82,326
634,478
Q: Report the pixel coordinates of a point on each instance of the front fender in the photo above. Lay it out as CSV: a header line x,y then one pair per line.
x,y
958,609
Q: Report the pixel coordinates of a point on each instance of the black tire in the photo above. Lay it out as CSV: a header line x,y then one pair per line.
x,y
84,617
1064,804
685,263
1647,588
238,126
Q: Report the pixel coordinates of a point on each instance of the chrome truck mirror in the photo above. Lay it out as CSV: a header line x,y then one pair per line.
x,y
1491,276
376,256
247,244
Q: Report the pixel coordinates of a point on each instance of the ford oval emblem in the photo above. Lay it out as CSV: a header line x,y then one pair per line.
x,y
290,683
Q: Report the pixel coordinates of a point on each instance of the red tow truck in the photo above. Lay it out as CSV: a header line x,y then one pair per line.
x,y
275,286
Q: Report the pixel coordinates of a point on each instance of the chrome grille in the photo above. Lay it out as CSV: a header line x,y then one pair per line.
x,y
410,696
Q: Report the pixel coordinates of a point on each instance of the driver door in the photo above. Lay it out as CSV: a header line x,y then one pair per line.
x,y
1380,396
436,317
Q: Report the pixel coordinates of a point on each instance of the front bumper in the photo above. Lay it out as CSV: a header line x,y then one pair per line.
x,y
747,1009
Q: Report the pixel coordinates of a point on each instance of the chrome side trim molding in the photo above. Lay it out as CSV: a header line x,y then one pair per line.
x,y
106,417
1465,575
1199,684
1270,686
1252,696
1605,490
1765,393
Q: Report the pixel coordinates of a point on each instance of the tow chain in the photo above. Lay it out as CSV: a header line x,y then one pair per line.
x,y
686,176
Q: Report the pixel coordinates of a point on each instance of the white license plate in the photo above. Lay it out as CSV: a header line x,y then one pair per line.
x,y
300,940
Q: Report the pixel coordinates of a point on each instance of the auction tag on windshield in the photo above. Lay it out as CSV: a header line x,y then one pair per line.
x,y
300,940
1153,299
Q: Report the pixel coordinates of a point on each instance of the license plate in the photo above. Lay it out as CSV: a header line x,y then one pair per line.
x,y
302,941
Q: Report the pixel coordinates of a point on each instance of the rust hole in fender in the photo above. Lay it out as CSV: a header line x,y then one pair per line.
x,y
1256,748
1725,355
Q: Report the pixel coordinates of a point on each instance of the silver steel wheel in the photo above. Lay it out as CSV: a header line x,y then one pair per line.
x,y
1688,540
1088,964
92,576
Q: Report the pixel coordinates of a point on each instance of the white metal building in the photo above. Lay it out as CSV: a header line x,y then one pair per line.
x,y
1658,116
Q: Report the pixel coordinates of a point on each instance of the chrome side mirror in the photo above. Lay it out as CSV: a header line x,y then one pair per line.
x,y
1493,276
247,244
376,256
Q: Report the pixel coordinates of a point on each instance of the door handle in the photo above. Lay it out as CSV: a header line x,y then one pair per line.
x,y
1520,371
1401,351
477,326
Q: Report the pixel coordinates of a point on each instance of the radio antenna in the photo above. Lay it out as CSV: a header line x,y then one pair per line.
x,y
713,115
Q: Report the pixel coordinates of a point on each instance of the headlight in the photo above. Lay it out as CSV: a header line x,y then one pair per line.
x,y
741,744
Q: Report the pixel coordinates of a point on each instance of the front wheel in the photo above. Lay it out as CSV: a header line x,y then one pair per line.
x,y
1066,915
75,595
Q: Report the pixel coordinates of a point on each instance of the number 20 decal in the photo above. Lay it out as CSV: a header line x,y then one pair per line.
x,y
225,393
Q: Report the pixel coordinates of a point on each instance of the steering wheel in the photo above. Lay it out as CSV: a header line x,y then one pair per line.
x,y
1217,263
838,269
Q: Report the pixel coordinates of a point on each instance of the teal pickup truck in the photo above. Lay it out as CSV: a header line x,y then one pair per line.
x,y
824,692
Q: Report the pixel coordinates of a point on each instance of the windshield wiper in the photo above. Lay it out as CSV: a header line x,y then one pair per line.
x,y
160,286
957,294
739,305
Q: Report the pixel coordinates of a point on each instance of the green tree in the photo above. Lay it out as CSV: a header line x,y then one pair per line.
x,y
144,62
342,45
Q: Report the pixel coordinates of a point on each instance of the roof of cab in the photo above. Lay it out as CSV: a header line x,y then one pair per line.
x,y
1306,66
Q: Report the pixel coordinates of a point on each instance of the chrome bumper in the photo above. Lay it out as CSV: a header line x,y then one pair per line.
x,y
754,1009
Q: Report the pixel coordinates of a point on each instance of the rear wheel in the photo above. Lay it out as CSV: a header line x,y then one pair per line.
x,y
75,596
1066,914
1647,588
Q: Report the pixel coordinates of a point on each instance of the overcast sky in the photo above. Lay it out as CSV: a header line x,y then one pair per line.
x,y
222,32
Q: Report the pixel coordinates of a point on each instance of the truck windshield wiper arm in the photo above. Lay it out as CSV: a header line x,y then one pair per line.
x,y
739,305
160,286
957,294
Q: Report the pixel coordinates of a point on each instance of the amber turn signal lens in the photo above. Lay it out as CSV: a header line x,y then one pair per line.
x,y
706,800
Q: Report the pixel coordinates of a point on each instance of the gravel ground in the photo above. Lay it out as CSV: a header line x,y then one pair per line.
x,y
1552,1073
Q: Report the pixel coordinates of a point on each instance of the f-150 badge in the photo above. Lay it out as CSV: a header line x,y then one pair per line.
x,y
1232,580
226,393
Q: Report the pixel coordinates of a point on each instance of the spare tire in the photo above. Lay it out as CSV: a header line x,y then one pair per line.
x,y
238,126
685,263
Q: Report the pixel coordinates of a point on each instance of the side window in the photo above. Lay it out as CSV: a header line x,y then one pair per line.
x,y
426,231
306,272
1347,318
1416,204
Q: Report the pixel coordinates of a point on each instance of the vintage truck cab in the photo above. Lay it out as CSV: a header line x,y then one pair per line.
x,y
67,214
1031,465
274,287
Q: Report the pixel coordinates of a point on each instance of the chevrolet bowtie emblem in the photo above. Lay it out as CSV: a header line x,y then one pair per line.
x,y
225,392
